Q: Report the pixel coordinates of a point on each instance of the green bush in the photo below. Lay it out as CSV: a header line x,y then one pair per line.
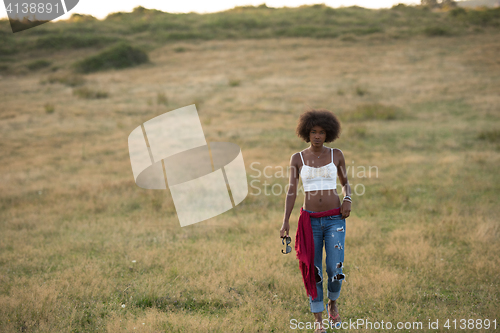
x,y
491,136
361,91
82,18
119,56
399,6
180,49
437,31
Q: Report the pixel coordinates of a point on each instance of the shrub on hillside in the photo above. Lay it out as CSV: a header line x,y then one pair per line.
x,y
491,136
82,18
437,31
119,56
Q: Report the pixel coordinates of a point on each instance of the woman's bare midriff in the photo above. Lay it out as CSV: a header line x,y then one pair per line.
x,y
320,201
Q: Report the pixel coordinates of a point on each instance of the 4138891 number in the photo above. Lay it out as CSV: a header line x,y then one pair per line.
x,y
33,8
470,324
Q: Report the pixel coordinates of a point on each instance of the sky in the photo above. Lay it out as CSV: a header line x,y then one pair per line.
x,y
100,8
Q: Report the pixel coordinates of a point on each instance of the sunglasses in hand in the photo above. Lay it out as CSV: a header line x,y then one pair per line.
x,y
288,241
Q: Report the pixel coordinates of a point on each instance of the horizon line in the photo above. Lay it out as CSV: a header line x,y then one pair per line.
x,y
69,14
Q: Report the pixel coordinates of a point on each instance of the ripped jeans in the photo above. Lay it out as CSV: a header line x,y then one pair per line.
x,y
330,231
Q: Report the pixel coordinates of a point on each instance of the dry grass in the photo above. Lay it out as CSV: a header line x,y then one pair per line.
x,y
423,241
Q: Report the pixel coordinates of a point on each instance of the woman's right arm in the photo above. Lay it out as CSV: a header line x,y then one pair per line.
x,y
291,194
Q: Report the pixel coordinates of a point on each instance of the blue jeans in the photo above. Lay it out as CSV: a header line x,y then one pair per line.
x,y
330,231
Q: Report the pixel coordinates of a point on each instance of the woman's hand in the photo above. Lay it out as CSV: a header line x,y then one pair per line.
x,y
285,228
345,209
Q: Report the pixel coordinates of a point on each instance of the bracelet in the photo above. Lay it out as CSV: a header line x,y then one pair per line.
x,y
347,199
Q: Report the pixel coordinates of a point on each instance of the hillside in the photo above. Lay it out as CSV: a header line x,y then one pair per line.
x,y
150,29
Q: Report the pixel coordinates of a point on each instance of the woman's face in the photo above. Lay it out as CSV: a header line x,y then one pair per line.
x,y
317,136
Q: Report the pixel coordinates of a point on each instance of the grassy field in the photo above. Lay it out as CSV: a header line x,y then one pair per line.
x,y
83,249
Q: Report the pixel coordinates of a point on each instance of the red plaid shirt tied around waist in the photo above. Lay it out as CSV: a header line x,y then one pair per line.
x,y
304,246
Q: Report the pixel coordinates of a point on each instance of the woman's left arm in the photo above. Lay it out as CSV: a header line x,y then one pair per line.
x,y
345,207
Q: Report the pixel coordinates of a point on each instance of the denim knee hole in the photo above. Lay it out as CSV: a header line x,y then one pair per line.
x,y
318,274
337,277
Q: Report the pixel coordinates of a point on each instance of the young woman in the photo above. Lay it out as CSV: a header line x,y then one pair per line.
x,y
322,217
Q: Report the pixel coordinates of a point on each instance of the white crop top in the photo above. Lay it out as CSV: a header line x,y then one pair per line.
x,y
323,178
